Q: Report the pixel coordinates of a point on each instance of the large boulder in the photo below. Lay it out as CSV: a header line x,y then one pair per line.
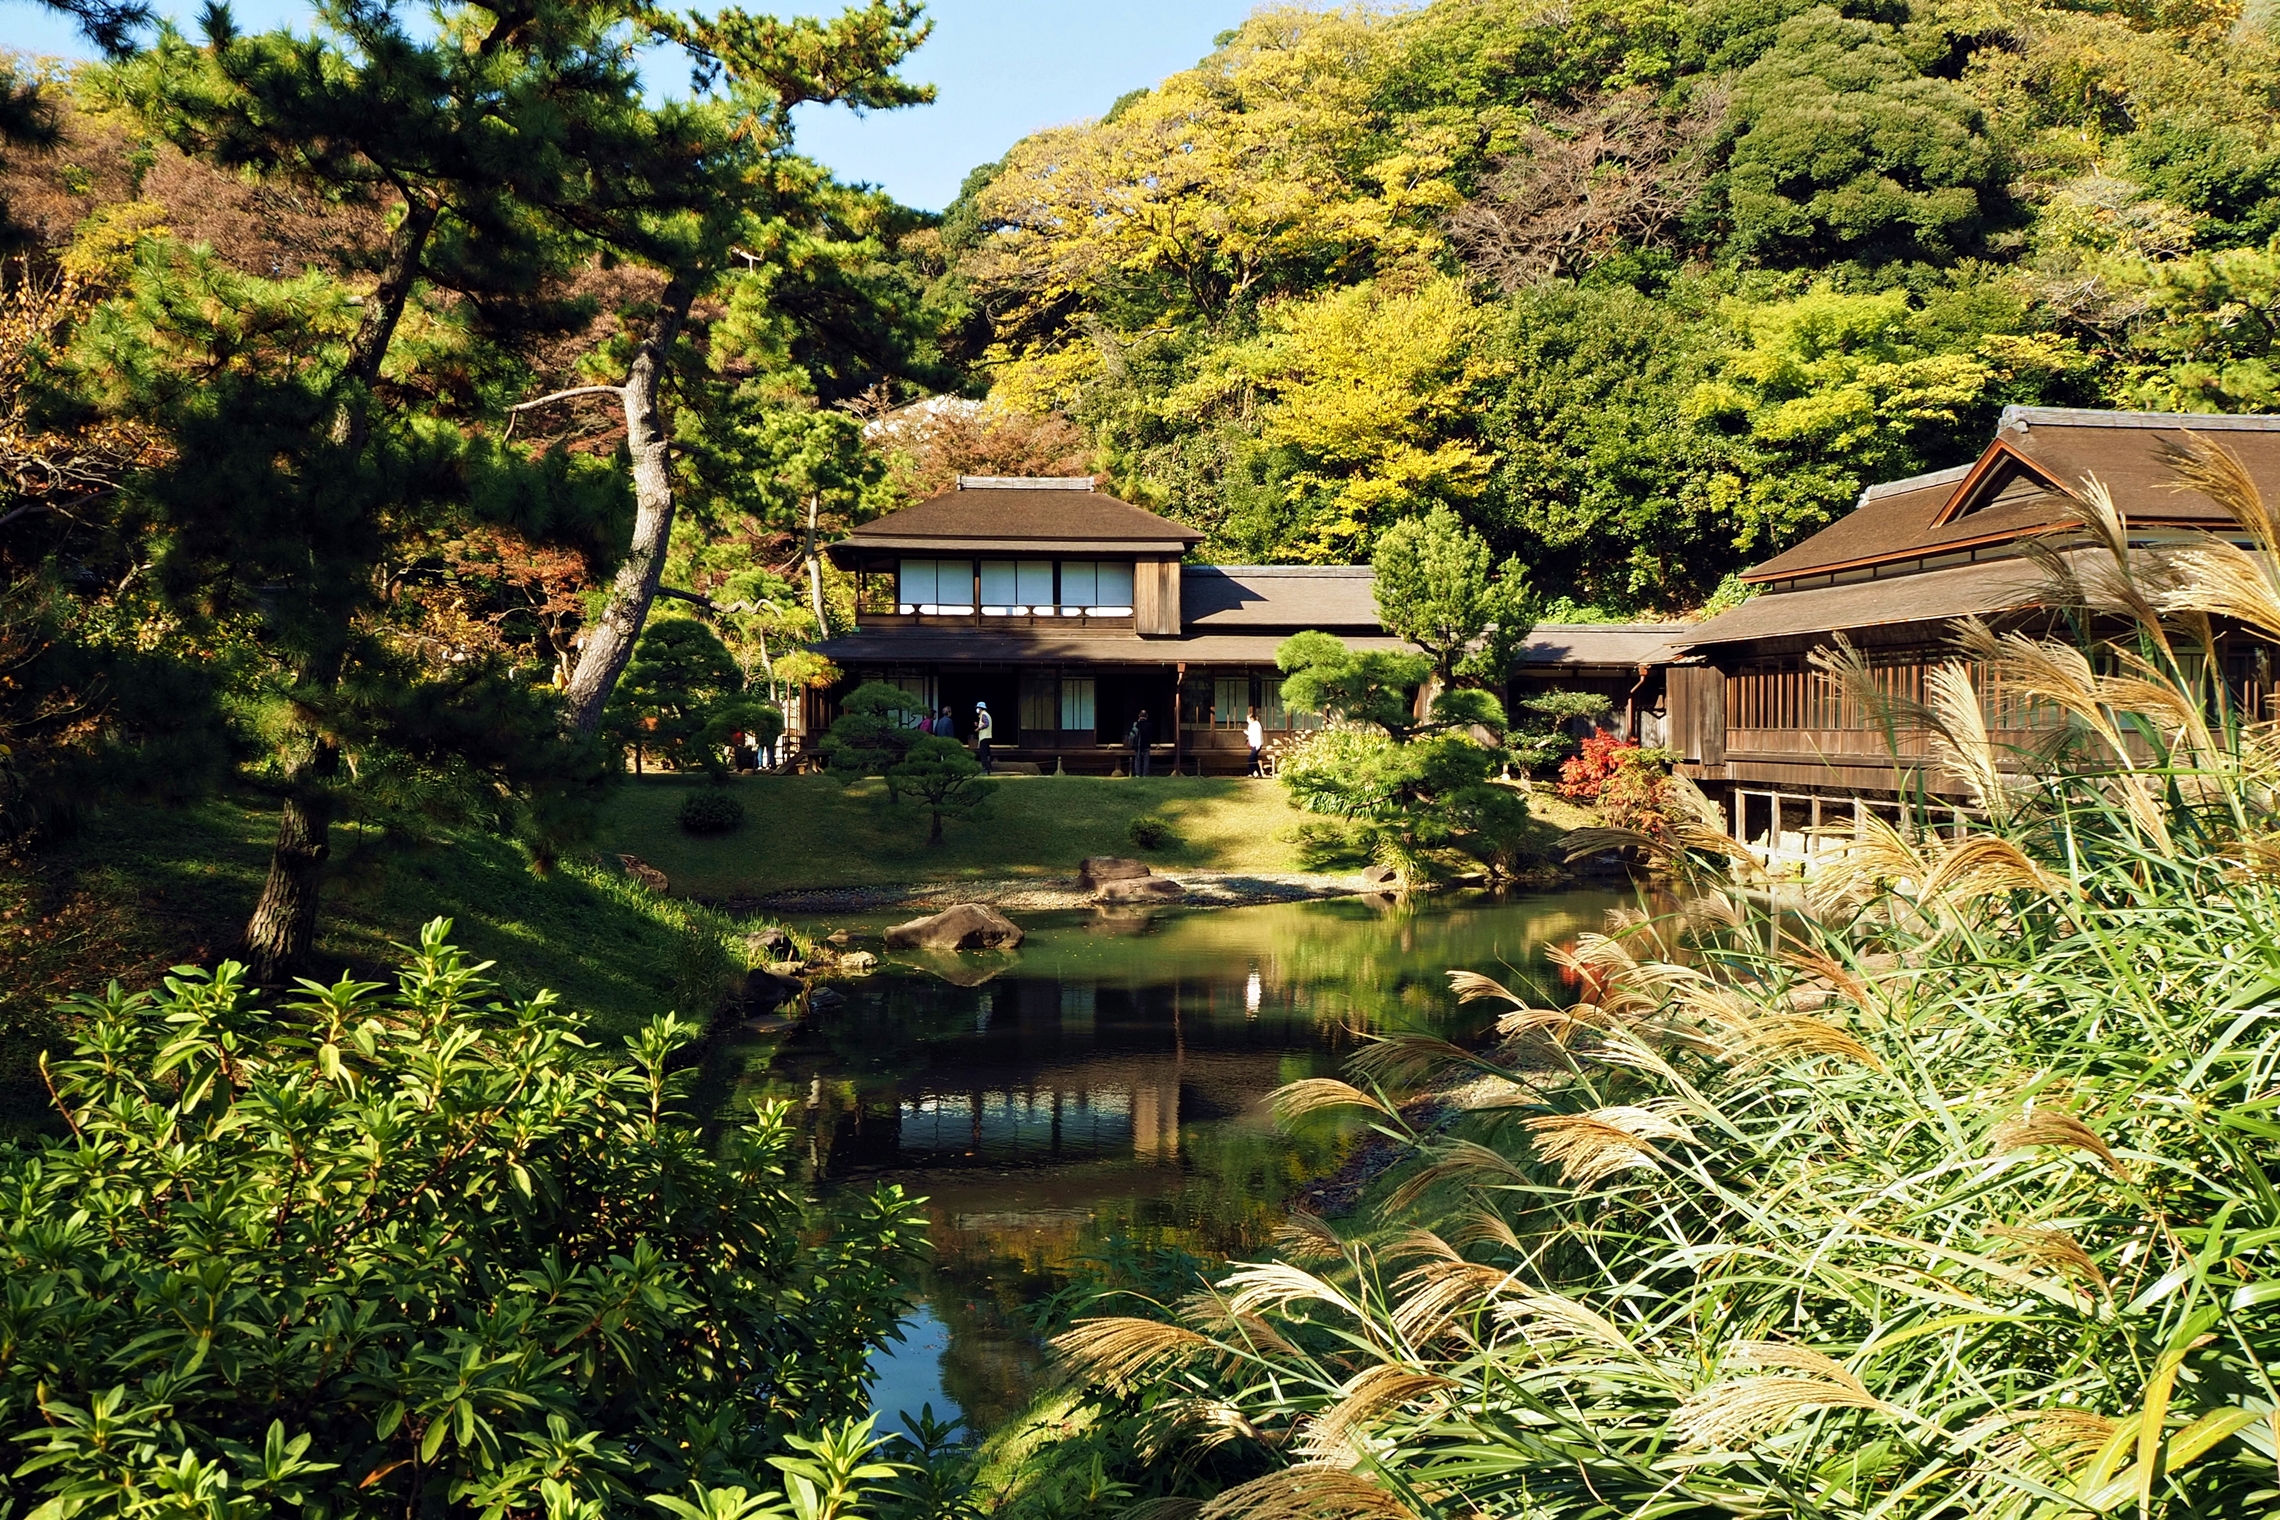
x,y
1095,869
1382,876
1140,889
968,926
769,945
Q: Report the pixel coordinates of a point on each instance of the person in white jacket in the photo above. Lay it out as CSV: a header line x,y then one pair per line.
x,y
1255,735
983,729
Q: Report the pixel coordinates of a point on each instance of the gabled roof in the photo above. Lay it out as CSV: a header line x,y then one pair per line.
x,y
1612,644
1887,520
1236,598
2028,482
1020,515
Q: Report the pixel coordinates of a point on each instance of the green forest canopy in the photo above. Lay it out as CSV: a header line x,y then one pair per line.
x,y
1644,290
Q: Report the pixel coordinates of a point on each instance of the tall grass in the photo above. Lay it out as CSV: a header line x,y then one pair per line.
x,y
1951,1189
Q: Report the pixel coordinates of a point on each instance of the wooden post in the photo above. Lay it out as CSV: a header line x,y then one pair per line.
x,y
1179,719
1813,838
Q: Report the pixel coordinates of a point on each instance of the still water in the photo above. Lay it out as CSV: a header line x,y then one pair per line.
x,y
1102,1091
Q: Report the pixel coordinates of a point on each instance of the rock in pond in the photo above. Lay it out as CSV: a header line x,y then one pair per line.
x,y
857,960
968,926
1095,869
765,990
769,945
1140,889
1381,876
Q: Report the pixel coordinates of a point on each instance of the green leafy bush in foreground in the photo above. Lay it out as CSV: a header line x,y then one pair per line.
x,y
419,1252
1949,1187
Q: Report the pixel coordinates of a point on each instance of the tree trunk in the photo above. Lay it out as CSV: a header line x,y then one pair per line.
x,y
935,836
283,927
1421,707
610,643
383,309
284,924
815,576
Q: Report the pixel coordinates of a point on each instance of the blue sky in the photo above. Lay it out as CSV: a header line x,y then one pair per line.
x,y
1004,68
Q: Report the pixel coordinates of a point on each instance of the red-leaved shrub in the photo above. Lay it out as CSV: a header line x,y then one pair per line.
x,y
1582,776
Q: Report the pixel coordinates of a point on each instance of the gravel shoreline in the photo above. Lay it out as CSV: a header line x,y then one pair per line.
x,y
1205,889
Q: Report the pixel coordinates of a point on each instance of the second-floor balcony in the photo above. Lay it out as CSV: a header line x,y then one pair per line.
x,y
997,619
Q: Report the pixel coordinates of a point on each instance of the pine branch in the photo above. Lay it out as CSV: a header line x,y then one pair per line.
x,y
574,391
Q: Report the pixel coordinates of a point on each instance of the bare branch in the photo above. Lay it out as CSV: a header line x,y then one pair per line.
x,y
1617,171
574,391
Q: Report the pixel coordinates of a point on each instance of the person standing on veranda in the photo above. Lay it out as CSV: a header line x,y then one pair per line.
x,y
983,729
1255,735
1143,735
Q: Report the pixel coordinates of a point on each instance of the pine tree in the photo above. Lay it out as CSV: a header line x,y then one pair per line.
x,y
513,134
749,190
680,674
290,477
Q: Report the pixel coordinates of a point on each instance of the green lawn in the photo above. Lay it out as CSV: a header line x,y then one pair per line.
x,y
810,831
143,888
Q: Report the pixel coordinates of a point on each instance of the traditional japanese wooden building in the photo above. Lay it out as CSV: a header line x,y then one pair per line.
x,y
1788,750
1623,662
1068,612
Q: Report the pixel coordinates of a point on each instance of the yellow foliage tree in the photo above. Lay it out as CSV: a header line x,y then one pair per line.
x,y
1368,387
1266,166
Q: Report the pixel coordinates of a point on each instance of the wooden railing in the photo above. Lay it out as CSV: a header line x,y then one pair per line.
x,y
993,622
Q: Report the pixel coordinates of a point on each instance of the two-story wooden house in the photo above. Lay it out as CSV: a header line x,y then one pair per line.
x,y
1789,749
1069,612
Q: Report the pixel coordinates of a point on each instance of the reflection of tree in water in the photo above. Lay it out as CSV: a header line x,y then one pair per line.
x,y
1099,1099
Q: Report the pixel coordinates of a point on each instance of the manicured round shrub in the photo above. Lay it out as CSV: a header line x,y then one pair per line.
x,y
712,811
1151,833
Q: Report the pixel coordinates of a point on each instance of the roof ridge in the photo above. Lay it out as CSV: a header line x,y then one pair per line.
x,y
1356,571
1883,488
1026,483
2025,417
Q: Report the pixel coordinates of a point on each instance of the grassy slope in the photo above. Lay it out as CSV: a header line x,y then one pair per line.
x,y
810,831
140,889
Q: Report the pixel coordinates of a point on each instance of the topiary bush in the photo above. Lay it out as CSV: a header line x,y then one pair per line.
x,y
1148,832
711,811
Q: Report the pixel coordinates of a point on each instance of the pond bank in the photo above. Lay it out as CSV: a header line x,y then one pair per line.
x,y
1205,889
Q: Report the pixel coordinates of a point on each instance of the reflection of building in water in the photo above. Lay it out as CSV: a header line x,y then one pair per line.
x,y
1030,1071
999,1124
1156,1120
1056,1124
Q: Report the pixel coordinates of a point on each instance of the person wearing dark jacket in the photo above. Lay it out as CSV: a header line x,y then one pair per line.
x,y
1143,735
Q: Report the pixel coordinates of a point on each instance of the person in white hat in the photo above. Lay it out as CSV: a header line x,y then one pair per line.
x,y
982,731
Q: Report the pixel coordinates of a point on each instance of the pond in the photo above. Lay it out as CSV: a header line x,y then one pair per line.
x,y
1101,1092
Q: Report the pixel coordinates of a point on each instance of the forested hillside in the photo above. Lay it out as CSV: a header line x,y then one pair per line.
x,y
1646,290
364,390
